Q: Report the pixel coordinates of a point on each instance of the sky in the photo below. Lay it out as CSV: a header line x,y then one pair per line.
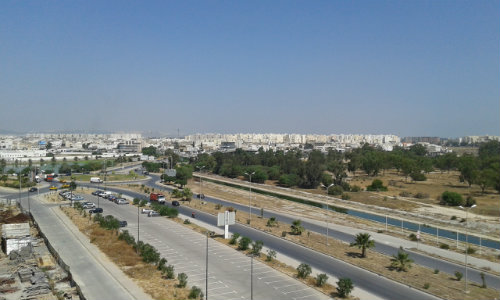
x,y
410,68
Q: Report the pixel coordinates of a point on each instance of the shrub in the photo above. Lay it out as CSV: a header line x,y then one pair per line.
x,y
335,190
143,202
257,247
413,237
345,196
244,243
195,293
470,201
182,277
234,238
271,254
186,221
297,228
169,270
405,194
458,275
303,270
136,201
218,206
272,222
422,196
436,271
321,279
418,176
444,246
125,236
376,186
427,285
283,234
149,253
344,287
451,198
470,250
355,188
453,217
483,279
161,264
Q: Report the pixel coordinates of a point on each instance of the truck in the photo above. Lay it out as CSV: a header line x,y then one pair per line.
x,y
160,198
95,180
49,177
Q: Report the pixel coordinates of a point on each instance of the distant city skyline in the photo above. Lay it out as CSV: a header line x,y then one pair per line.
x,y
408,68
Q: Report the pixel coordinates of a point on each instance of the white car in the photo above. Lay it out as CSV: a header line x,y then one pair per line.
x,y
146,211
88,205
153,214
121,201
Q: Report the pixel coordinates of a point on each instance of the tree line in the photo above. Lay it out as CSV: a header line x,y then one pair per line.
x,y
310,169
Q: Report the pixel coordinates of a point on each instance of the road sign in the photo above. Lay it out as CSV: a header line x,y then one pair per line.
x,y
225,219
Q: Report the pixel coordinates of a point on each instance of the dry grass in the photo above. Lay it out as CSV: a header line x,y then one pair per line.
x,y
124,256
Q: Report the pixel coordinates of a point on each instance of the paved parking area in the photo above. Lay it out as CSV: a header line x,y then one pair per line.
x,y
229,271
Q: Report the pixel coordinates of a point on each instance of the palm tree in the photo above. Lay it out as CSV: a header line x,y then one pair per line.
x,y
401,261
362,241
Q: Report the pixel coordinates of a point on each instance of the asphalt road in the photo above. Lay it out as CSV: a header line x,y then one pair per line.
x,y
368,281
229,270
424,260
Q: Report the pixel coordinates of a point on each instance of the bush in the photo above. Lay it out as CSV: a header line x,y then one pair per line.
x,y
470,201
182,277
418,176
218,206
344,287
234,238
376,186
244,243
355,189
470,250
186,221
405,194
169,270
125,236
413,237
136,201
283,234
297,228
444,246
436,271
303,270
272,222
161,264
453,217
257,247
195,293
458,275
143,202
427,285
451,198
271,254
149,253
321,279
335,190
422,196
345,196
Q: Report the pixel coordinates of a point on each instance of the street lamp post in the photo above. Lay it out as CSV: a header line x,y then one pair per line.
x,y
327,208
251,277
250,200
206,271
138,227
466,240
199,177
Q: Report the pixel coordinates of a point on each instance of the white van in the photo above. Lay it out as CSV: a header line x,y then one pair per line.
x,y
95,180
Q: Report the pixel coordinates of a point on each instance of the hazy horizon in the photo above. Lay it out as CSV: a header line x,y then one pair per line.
x,y
409,68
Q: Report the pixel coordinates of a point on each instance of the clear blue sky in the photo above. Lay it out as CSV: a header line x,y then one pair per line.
x,y
412,68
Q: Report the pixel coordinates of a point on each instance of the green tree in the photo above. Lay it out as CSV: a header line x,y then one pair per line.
x,y
244,243
303,270
257,247
469,169
183,173
451,198
297,227
321,279
344,287
363,242
151,151
182,277
326,179
187,194
486,178
401,261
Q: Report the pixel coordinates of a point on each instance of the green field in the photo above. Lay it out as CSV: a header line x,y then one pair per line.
x,y
112,177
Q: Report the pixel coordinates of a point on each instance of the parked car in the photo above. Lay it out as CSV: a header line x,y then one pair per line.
x,y
53,188
175,203
65,186
153,214
145,173
75,198
111,198
96,210
146,211
96,193
33,189
88,205
123,223
121,201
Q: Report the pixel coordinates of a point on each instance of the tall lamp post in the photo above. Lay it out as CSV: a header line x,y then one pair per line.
x,y
466,239
200,168
138,226
250,200
327,208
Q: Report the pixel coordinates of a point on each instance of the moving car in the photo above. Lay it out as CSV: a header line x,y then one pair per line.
x,y
53,188
201,196
33,189
65,186
146,211
175,203
123,223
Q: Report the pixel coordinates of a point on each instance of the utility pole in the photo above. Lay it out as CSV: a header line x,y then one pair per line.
x,y
206,271
200,168
138,227
327,208
250,200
